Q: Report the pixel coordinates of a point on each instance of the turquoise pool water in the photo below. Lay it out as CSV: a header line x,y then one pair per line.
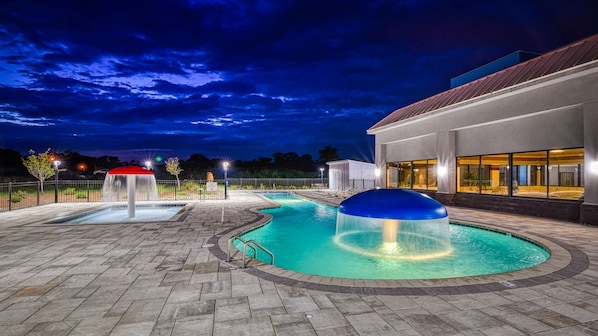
x,y
301,236
120,214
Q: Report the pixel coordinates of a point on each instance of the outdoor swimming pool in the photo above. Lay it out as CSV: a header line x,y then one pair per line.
x,y
302,237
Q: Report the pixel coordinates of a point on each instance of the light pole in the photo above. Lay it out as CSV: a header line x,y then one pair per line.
x,y
225,166
56,164
148,165
321,176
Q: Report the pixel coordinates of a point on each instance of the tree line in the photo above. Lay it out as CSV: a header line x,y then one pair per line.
x,y
74,165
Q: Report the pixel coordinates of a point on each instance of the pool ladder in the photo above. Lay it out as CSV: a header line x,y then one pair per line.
x,y
252,244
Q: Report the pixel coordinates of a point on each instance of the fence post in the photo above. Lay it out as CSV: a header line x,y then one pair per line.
x,y
175,191
39,187
9,196
87,191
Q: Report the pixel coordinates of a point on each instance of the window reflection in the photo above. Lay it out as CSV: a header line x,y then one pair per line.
x,y
468,171
494,174
529,174
565,173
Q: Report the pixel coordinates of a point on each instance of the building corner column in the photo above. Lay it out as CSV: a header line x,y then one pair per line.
x,y
447,167
589,208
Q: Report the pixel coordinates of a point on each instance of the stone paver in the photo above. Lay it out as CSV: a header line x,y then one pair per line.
x,y
172,278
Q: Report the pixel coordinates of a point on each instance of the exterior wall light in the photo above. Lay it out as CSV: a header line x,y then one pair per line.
x,y
442,170
594,167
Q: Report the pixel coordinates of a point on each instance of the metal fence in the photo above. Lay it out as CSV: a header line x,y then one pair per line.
x,y
19,195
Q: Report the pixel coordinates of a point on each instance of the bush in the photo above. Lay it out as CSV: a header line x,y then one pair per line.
x,y
81,194
161,188
18,196
191,186
70,191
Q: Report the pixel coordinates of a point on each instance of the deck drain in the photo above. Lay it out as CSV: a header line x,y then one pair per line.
x,y
508,284
207,245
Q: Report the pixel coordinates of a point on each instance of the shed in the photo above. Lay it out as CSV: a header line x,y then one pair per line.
x,y
351,174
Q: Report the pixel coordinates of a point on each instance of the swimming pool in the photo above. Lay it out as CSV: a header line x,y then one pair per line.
x,y
302,237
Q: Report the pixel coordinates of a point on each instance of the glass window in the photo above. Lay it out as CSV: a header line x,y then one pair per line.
x,y
431,174
419,174
405,175
494,174
468,172
392,175
565,173
529,174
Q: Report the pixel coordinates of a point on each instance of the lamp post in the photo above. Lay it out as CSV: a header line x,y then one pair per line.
x,y
148,165
56,164
225,166
321,176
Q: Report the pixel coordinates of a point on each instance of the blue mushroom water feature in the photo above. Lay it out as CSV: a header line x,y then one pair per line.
x,y
393,223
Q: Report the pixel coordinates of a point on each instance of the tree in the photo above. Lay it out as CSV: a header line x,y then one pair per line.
x,y
40,166
328,154
174,168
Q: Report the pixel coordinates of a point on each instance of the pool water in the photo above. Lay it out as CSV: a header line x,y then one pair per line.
x,y
301,235
120,214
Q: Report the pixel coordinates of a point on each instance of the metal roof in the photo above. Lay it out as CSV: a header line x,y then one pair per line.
x,y
578,53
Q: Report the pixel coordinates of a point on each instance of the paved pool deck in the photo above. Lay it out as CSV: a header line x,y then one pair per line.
x,y
172,278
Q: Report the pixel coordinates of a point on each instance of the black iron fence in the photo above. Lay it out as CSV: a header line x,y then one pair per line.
x,y
19,195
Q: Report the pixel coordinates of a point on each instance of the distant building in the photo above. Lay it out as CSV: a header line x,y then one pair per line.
x,y
523,139
350,174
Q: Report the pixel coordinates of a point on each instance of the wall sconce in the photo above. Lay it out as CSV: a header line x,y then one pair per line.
x,y
594,167
442,170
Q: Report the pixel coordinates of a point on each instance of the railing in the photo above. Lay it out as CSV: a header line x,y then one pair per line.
x,y
252,244
18,195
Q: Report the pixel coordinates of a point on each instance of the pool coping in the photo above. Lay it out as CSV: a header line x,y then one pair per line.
x,y
565,261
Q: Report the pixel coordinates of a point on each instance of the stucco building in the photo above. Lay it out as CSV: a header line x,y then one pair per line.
x,y
523,139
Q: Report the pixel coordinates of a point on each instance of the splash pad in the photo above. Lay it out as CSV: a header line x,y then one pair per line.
x,y
130,183
393,224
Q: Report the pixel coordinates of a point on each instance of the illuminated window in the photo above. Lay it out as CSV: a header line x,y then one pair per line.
x,y
468,172
530,174
405,175
431,174
494,174
565,173
419,174
392,175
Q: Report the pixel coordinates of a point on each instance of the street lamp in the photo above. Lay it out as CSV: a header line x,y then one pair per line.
x,y
225,166
56,164
148,165
321,176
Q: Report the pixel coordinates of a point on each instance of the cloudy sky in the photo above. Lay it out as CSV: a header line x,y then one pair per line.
x,y
244,79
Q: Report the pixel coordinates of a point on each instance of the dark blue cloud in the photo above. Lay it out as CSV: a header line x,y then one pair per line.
x,y
245,79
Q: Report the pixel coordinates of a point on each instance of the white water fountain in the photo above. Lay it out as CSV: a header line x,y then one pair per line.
x,y
139,184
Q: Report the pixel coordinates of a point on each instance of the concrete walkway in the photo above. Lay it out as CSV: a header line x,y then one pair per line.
x,y
169,278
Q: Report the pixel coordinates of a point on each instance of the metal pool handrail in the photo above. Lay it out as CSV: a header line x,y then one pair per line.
x,y
247,243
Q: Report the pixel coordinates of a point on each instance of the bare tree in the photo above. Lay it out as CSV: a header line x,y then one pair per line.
x,y
174,168
40,166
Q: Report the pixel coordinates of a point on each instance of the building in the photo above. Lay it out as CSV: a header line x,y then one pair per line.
x,y
523,139
351,174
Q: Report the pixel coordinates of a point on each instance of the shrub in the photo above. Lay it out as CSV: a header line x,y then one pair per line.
x,y
18,196
161,188
191,186
81,194
70,191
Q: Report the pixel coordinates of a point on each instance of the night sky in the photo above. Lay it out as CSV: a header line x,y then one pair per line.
x,y
245,79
